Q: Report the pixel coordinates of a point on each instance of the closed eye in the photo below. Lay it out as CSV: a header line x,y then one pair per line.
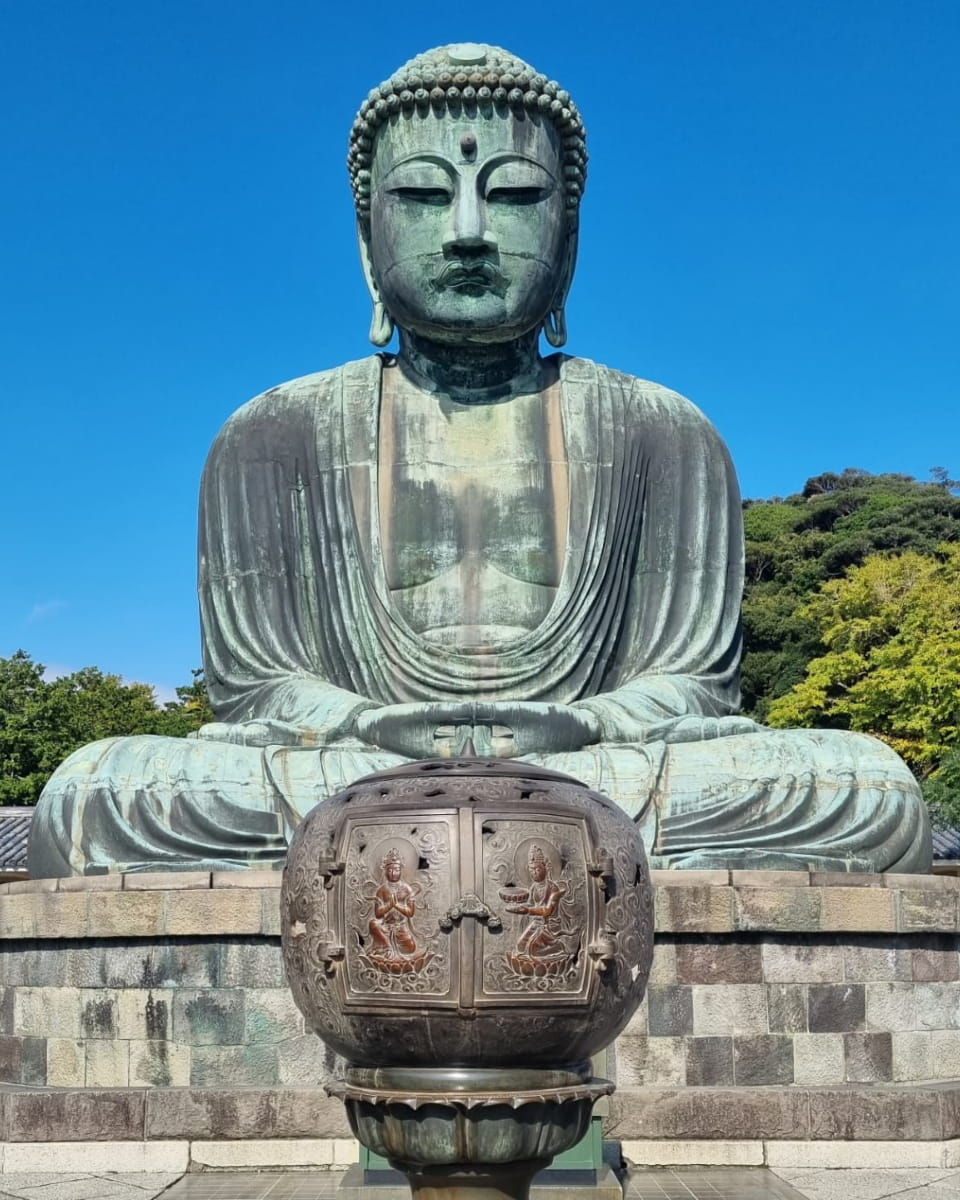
x,y
423,195
516,195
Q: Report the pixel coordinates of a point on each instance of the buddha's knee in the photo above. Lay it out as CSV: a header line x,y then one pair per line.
x,y
872,761
89,761
75,785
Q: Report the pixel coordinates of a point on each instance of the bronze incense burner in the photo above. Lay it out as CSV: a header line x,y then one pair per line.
x,y
466,933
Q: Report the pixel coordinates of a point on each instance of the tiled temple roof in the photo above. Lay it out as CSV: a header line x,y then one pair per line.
x,y
14,829
946,843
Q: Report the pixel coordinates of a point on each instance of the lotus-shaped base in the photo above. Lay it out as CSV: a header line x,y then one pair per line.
x,y
540,965
477,1134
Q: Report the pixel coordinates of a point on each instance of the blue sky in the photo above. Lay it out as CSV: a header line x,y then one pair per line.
x,y
770,226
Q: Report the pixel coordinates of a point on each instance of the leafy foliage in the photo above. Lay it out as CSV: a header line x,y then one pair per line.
x,y
941,790
891,629
42,721
797,544
851,617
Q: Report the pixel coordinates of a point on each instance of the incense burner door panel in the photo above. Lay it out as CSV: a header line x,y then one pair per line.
x,y
466,909
535,873
400,879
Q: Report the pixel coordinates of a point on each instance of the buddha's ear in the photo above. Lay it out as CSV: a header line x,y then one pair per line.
x,y
555,322
381,326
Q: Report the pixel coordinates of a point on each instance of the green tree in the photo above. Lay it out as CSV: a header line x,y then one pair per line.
x,y
23,732
188,712
796,544
89,705
42,721
891,666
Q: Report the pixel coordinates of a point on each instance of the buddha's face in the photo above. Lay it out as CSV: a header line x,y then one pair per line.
x,y
468,232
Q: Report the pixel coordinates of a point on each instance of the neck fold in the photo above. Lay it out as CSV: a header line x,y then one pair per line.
x,y
473,374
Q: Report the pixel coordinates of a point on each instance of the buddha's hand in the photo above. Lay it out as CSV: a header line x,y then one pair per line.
x,y
257,733
412,729
700,729
495,730
515,728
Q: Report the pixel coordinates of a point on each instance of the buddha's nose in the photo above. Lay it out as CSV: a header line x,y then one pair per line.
x,y
467,233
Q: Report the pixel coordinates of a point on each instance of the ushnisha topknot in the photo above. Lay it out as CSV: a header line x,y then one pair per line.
x,y
468,76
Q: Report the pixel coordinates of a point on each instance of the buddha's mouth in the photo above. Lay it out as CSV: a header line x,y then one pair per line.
x,y
471,278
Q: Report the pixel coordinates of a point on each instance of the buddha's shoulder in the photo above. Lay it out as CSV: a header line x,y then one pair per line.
x,y
309,398
643,400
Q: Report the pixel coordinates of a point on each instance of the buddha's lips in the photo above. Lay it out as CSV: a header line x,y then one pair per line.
x,y
475,275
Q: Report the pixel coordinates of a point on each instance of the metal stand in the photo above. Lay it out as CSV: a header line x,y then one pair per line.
x,y
504,1181
456,1137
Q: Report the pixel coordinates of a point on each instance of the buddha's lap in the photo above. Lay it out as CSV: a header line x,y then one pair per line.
x,y
823,798
690,775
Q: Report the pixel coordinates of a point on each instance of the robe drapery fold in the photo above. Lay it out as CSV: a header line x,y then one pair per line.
x,y
644,631
296,614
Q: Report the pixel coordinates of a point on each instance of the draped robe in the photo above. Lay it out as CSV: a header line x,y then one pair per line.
x,y
644,631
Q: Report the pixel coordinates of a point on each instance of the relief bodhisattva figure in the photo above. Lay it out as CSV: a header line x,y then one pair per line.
x,y
541,948
394,944
464,540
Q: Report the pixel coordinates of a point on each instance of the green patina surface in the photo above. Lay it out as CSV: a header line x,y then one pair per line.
x,y
469,542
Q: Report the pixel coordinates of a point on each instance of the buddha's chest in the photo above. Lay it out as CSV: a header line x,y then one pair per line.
x,y
472,510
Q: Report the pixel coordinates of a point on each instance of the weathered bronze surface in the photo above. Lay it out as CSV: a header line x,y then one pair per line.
x,y
456,911
445,918
467,540
477,1142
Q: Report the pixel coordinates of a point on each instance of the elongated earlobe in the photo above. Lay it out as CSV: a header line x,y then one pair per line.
x,y
381,327
555,327
555,322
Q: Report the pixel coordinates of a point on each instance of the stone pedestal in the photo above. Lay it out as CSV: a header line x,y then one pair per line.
x,y
764,979
801,1018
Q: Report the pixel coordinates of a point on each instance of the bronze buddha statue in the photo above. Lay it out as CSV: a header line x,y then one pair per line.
x,y
468,542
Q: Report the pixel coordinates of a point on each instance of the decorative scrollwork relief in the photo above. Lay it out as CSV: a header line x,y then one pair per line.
x,y
491,888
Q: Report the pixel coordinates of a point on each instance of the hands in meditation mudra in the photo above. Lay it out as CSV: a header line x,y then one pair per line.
x,y
467,544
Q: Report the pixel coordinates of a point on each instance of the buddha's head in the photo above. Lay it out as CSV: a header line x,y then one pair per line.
x,y
467,169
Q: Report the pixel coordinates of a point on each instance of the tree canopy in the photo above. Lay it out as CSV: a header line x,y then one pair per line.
x,y
851,616
891,663
797,544
42,721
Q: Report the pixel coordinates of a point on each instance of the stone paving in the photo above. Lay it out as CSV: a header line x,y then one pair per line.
x,y
904,1182
705,1183
84,1186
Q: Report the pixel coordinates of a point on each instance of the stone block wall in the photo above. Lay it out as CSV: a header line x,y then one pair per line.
x,y
758,1010
767,979
150,981
759,980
